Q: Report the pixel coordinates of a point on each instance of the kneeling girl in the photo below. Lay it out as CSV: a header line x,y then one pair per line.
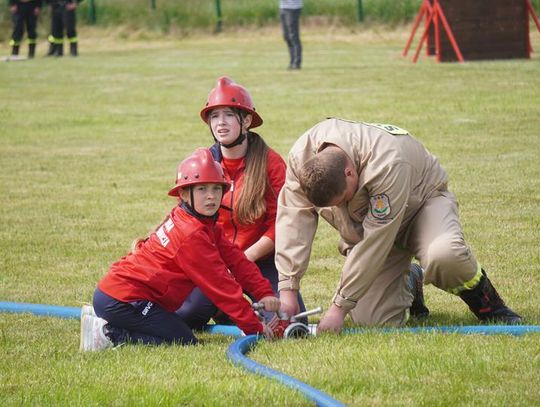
x,y
136,300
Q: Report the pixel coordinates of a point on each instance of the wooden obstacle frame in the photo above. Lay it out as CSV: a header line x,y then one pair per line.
x,y
460,30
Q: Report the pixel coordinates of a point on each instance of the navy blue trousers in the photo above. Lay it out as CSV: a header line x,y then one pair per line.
x,y
141,322
197,309
24,16
62,20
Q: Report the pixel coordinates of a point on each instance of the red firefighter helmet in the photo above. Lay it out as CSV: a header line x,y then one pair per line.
x,y
228,93
199,168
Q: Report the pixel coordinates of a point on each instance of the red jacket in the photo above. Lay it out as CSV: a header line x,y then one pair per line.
x,y
185,252
242,235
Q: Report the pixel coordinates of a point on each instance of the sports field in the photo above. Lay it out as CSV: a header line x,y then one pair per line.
x,y
88,150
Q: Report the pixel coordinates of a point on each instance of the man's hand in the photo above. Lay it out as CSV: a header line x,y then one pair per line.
x,y
271,303
289,302
332,320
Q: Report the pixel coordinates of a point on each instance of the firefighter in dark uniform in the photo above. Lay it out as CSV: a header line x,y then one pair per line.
x,y
24,12
63,17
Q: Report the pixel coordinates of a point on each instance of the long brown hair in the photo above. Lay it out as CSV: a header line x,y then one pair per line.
x,y
251,204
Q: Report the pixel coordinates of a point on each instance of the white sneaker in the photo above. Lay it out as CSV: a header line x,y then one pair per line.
x,y
87,310
92,336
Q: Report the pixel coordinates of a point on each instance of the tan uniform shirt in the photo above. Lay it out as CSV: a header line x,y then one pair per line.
x,y
396,175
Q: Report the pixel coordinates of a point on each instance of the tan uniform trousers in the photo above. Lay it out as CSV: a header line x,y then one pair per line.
x,y
435,238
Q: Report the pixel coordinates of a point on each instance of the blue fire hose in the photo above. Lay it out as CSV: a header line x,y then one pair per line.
x,y
236,353
41,309
238,349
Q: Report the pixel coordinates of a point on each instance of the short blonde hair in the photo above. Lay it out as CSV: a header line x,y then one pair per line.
x,y
322,177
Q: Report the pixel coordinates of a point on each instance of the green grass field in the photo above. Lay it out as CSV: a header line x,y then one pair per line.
x,y
88,151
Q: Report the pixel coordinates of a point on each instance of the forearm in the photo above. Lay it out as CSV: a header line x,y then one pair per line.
x,y
295,232
261,248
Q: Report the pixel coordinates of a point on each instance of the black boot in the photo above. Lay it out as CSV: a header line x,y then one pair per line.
x,y
52,49
14,50
73,49
484,301
59,50
416,283
31,50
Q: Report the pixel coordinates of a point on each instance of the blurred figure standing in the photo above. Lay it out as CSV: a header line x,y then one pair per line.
x,y
24,12
63,17
289,12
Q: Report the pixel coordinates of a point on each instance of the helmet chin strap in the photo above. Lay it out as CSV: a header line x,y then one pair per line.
x,y
239,140
190,208
241,137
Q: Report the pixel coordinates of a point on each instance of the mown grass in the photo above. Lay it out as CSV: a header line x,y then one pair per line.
x,y
89,148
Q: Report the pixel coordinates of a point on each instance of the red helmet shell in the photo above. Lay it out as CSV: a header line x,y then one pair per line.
x,y
228,93
199,168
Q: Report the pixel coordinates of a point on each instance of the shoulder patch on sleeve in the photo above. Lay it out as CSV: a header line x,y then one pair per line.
x,y
380,206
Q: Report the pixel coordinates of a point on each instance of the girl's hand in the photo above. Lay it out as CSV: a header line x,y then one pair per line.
x,y
273,323
271,303
268,332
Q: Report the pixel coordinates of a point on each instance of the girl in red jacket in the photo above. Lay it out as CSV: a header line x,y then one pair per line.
x,y
136,300
256,174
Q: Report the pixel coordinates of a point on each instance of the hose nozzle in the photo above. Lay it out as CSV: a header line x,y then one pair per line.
x,y
304,314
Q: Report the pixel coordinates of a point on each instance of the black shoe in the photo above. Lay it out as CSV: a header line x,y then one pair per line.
x,y
15,50
73,49
31,51
418,308
484,301
52,49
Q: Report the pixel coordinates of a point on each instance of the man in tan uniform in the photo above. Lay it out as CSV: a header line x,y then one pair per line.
x,y
387,197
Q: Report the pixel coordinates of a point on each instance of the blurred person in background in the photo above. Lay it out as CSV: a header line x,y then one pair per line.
x,y
63,18
24,12
289,13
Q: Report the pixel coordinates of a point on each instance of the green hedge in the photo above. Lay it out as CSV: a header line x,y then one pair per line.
x,y
187,14
202,13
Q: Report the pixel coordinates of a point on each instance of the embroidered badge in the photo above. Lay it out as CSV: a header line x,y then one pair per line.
x,y
390,128
380,206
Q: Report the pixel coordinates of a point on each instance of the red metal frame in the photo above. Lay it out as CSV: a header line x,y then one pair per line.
x,y
433,15
532,14
424,12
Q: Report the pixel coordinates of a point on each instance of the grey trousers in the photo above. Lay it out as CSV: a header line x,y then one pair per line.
x,y
290,22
